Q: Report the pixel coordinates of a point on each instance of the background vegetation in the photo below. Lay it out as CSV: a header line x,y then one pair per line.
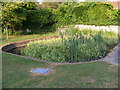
x,y
32,17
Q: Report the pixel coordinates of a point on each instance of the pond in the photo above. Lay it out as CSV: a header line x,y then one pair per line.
x,y
16,50
73,46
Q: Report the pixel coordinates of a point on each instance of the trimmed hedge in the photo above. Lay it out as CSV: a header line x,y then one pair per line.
x,y
64,15
92,13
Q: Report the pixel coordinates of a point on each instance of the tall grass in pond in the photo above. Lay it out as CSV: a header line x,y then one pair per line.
x,y
74,45
70,41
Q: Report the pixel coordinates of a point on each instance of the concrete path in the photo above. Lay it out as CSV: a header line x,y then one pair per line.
x,y
114,56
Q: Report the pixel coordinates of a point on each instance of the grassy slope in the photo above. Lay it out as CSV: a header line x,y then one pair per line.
x,y
16,72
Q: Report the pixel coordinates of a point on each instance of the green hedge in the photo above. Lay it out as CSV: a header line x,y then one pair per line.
x,y
20,16
64,14
92,13
39,19
99,14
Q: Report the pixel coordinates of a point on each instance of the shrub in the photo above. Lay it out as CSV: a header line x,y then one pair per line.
x,y
38,19
14,13
75,45
64,14
91,13
96,13
99,14
22,15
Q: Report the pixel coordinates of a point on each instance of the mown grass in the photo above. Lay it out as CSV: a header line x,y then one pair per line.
x,y
14,38
16,73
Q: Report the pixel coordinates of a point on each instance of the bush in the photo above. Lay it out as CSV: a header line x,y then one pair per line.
x,y
26,15
38,20
115,17
91,13
64,15
14,13
75,45
96,14
99,14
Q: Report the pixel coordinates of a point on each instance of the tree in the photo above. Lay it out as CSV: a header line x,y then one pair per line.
x,y
38,18
13,13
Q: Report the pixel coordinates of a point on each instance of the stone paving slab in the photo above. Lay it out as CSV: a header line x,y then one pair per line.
x,y
114,56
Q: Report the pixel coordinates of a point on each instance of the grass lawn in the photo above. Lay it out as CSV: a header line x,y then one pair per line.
x,y
13,38
16,72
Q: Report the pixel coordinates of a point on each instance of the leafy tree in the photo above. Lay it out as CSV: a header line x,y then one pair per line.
x,y
38,18
13,13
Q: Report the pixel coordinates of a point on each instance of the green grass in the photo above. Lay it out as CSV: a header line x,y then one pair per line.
x,y
14,38
16,72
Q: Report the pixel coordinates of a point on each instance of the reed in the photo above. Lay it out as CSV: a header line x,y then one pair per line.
x,y
73,46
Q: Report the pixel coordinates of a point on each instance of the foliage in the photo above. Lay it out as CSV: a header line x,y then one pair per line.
x,y
99,14
20,16
53,5
13,14
71,44
38,19
81,9
96,13
75,45
64,14
115,17
92,13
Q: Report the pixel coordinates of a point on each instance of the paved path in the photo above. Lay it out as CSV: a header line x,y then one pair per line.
x,y
114,56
